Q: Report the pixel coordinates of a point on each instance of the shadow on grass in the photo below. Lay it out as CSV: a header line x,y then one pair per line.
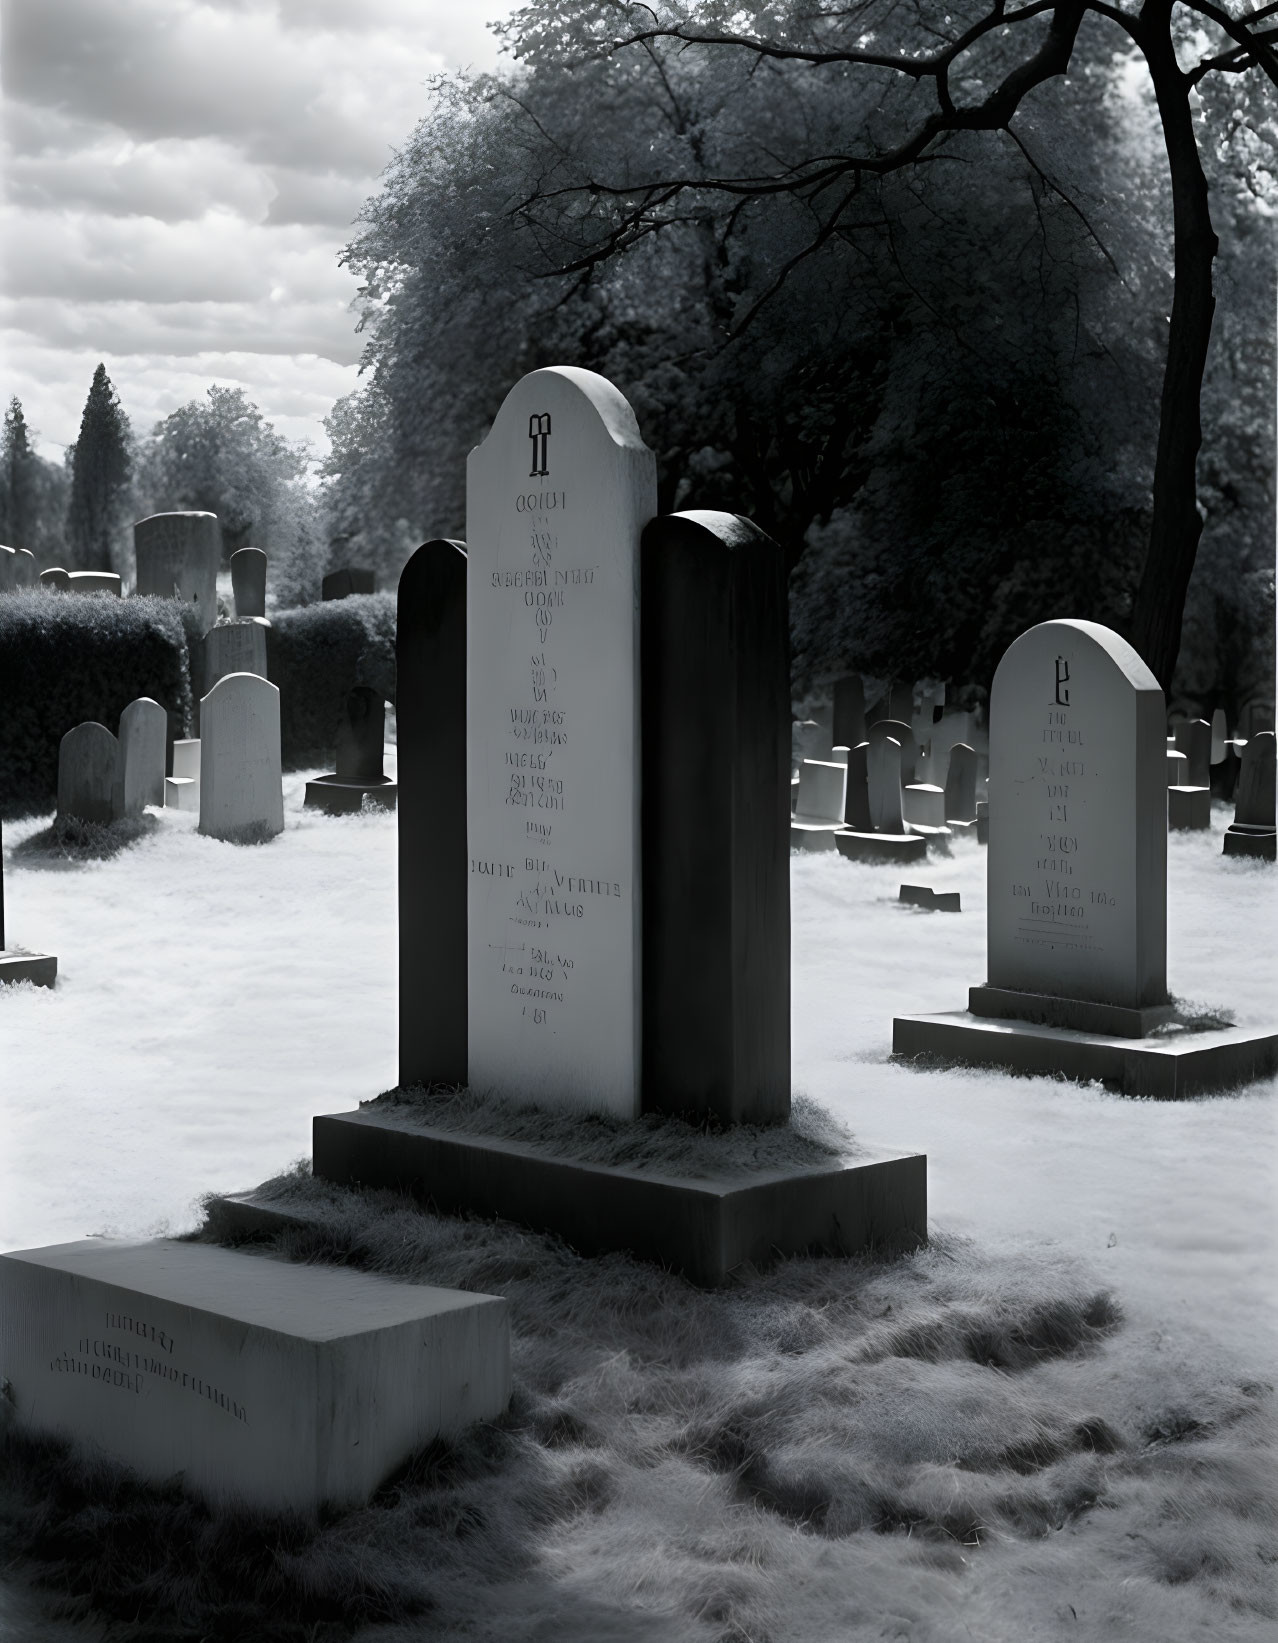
x,y
68,841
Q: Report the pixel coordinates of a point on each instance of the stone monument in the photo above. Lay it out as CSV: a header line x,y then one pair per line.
x,y
874,825
248,582
341,584
178,555
241,791
1076,906
143,726
89,774
1251,833
359,774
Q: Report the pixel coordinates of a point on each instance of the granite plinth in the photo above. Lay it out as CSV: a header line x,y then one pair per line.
x,y
41,969
282,1386
1258,842
341,798
890,848
1078,1014
182,793
703,1227
1167,1066
809,834
1189,809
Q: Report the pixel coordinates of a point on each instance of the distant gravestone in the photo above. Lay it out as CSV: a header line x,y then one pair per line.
x,y
143,725
1219,735
557,495
1077,900
818,812
234,647
1177,768
1193,739
430,733
7,581
94,581
361,735
1252,831
883,775
22,570
849,711
248,582
55,579
178,555
341,584
856,806
241,791
88,765
960,786
903,736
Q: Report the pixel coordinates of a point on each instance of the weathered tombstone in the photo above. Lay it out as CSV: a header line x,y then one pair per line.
x,y
1252,831
23,569
241,791
16,963
875,829
88,765
141,770
248,582
883,777
903,736
716,871
818,813
1077,885
361,735
341,584
960,787
849,711
430,730
55,579
923,806
178,555
856,806
1194,739
1177,768
94,581
234,647
552,775
1219,735
262,1383
182,788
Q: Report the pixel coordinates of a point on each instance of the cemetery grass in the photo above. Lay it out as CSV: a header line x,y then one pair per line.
x,y
1053,1422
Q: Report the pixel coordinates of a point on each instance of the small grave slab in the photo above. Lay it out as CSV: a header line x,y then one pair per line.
x,y
932,901
279,1386
882,848
41,969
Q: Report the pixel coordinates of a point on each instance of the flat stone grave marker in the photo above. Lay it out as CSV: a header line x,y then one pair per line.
x,y
280,1386
241,789
248,582
143,726
178,555
88,773
1252,831
557,496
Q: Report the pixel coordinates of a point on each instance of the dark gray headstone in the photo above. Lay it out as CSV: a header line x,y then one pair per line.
x,y
849,711
430,718
960,784
1254,802
715,785
883,778
178,555
55,579
903,736
360,736
340,584
248,581
856,805
1193,739
88,765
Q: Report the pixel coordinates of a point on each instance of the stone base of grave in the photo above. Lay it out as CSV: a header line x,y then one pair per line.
x,y
703,1227
182,793
39,968
938,838
807,834
963,829
1167,1067
1189,809
341,798
1080,1015
891,848
280,1386
1258,842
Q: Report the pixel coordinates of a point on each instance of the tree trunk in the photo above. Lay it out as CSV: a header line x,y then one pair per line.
x,y
1176,525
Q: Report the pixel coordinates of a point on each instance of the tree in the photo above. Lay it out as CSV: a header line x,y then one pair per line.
x,y
918,86
100,471
19,482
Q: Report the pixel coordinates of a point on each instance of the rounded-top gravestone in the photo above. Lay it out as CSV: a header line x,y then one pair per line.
x,y
178,555
88,769
248,581
1077,900
241,794
55,579
141,771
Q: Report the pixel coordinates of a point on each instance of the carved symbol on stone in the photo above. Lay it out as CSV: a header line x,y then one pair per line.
x,y
1062,678
539,433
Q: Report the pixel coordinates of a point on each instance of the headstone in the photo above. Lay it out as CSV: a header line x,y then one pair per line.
x,y
361,734
1188,809
923,805
94,581
241,791
1193,739
1219,735
849,711
883,776
7,579
234,647
856,806
430,720
248,582
88,765
142,752
818,814
557,495
903,736
1177,768
1252,831
279,1386
716,870
1077,900
23,569
55,579
178,555
341,584
960,785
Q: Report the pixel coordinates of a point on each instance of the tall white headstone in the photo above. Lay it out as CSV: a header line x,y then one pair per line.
x,y
241,791
1077,902
557,496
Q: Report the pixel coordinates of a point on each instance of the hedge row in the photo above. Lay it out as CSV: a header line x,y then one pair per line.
x,y
65,658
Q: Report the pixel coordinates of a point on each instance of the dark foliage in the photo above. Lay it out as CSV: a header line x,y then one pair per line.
x,y
318,653
67,658
100,470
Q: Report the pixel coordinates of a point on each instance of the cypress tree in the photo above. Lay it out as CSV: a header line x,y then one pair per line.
x,y
100,469
17,480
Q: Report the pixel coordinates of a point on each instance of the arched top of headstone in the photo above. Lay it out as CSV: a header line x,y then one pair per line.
x,y
560,385
1128,661
731,529
175,513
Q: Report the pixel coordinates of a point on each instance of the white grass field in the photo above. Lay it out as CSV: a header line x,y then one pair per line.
x,y
1054,1423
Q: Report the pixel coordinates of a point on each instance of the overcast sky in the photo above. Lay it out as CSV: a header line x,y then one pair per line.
x,y
180,176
